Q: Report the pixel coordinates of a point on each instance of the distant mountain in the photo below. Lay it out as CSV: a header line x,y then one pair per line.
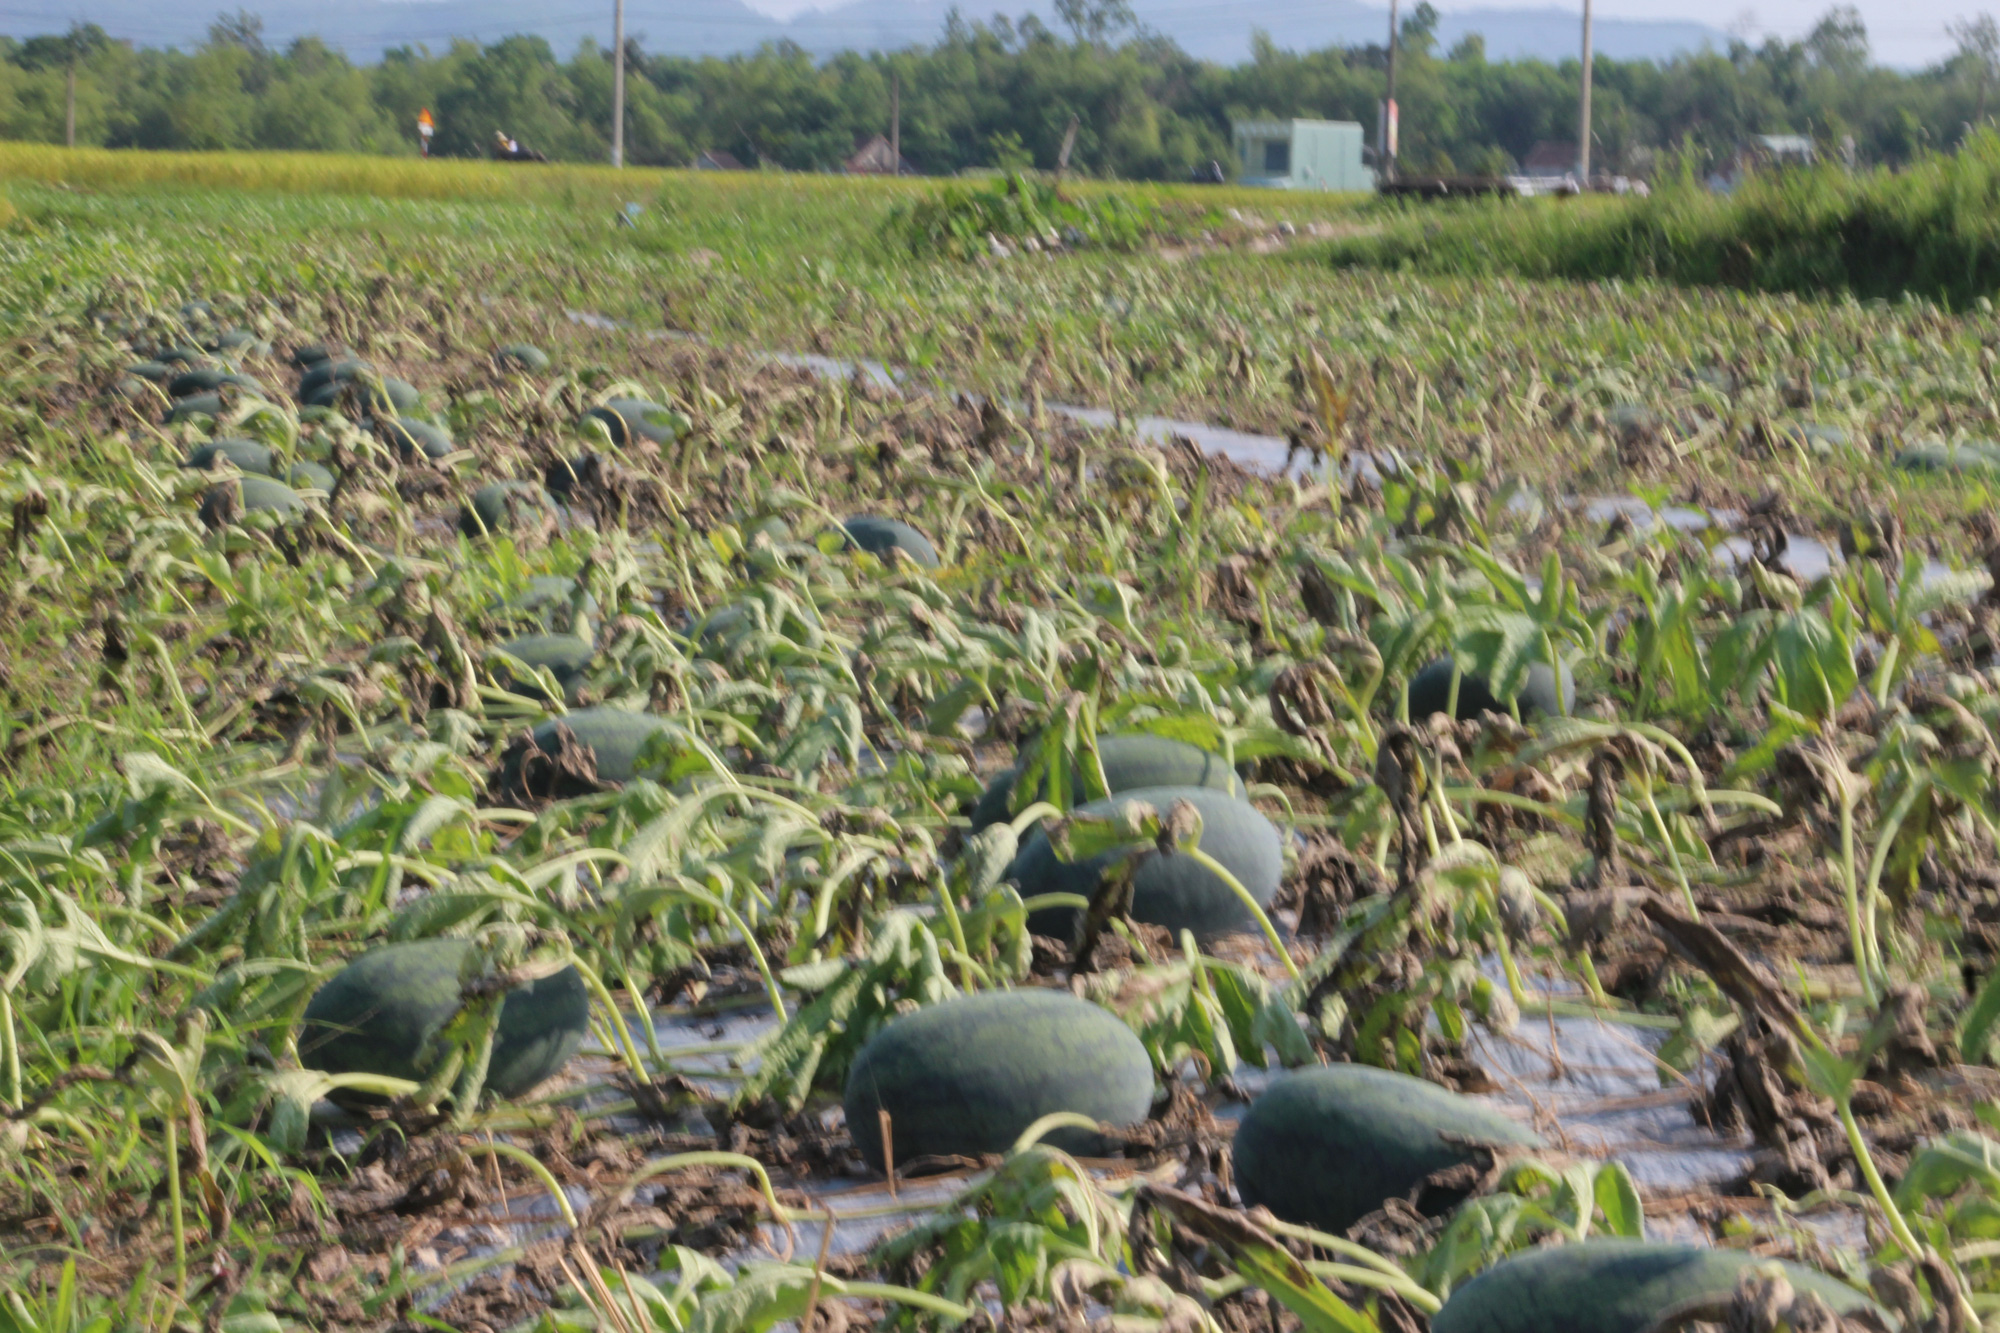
x,y
1211,29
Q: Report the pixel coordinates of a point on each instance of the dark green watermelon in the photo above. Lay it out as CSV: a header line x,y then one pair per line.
x,y
1325,1147
250,494
310,477
1133,759
392,396
635,418
965,1077
1976,456
196,405
500,506
564,656
1168,890
381,1011
614,735
182,355
562,476
1613,1286
388,397
159,372
878,536
1430,690
332,370
315,354
205,379
547,599
413,436
241,340
243,455
522,356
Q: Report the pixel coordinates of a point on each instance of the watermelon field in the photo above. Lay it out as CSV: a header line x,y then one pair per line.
x,y
658,752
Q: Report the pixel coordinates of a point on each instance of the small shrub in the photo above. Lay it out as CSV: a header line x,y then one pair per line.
x,y
958,219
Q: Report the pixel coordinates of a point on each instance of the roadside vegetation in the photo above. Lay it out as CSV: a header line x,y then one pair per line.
x,y
1928,230
994,94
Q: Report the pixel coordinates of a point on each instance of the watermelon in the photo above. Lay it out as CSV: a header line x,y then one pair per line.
x,y
565,656
1168,890
614,735
389,397
629,418
1978,456
522,356
965,1077
1614,1286
310,477
332,370
241,340
159,372
392,396
1134,759
198,405
547,598
1816,439
561,476
413,436
243,455
314,354
1326,1146
180,356
877,536
250,494
1430,690
380,1013
500,506
206,379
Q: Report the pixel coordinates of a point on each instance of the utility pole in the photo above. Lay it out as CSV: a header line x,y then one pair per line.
x,y
618,85
69,107
895,124
1386,150
1583,112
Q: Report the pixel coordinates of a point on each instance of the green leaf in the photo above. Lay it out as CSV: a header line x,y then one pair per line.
x,y
1618,1200
1129,823
1940,1167
1813,664
1975,1035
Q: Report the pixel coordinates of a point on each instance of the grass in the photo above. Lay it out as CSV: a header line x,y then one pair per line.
x,y
1929,231
233,752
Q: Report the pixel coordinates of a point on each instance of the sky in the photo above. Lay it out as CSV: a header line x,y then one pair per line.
x,y
1905,33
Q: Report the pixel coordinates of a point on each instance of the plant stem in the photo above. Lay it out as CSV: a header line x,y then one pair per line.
x,y
659,1166
1857,940
13,1040
1667,840
1335,1245
627,1051
529,1160
174,1205
1899,1227
1220,871
882,1291
1401,1284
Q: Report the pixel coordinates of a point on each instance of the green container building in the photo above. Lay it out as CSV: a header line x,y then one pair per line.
x,y
1302,155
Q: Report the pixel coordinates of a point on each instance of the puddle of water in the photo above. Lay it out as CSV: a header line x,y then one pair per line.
x,y
1592,1087
1266,453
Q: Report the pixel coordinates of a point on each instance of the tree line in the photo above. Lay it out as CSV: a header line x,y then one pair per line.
x,y
994,94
